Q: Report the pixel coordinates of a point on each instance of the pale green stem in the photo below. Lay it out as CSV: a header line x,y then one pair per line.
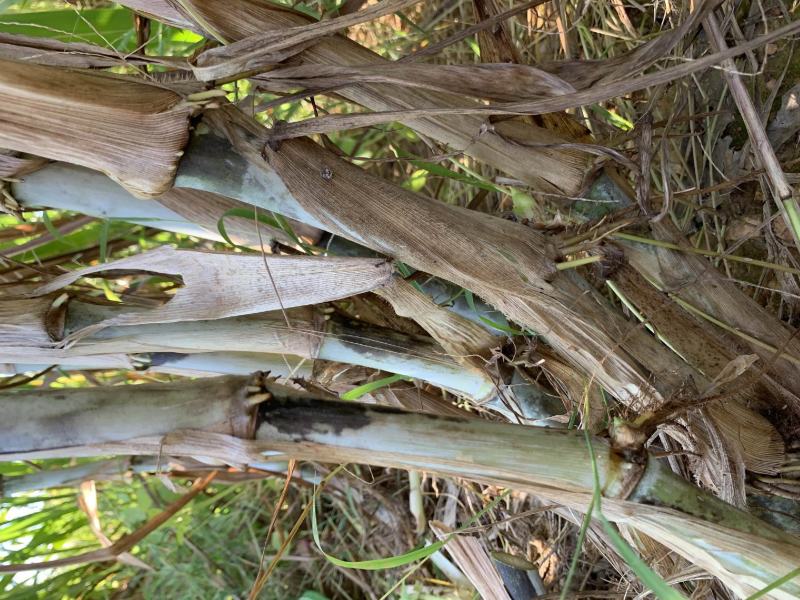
x,y
735,546
578,262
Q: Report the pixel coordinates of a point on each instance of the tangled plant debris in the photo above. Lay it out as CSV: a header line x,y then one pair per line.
x,y
399,298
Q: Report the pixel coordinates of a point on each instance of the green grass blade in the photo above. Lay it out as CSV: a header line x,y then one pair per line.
x,y
273,220
356,393
573,566
51,229
377,563
102,242
775,584
440,171
646,575
392,562
312,595
711,253
245,213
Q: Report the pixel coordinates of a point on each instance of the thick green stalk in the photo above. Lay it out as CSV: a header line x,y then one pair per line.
x,y
69,187
64,186
642,493
57,420
176,363
334,339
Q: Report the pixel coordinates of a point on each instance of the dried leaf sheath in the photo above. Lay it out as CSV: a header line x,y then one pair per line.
x,y
219,285
47,51
693,279
467,342
557,170
472,557
129,130
257,52
501,82
507,264
391,220
700,285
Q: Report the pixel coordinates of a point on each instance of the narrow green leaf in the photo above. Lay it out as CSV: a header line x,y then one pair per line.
x,y
775,584
573,565
470,301
356,393
648,577
403,559
103,241
51,229
273,220
504,328
375,564
793,213
97,26
245,213
312,595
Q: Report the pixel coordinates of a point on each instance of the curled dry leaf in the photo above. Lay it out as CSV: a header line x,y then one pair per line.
x,y
12,166
47,51
732,371
501,81
465,341
257,52
553,170
218,285
131,131
87,500
585,73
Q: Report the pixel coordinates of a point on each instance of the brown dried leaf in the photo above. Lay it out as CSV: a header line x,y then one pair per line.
x,y
594,93
497,45
465,341
732,371
87,500
16,166
218,285
697,282
585,73
509,265
552,170
504,82
258,52
47,51
129,130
